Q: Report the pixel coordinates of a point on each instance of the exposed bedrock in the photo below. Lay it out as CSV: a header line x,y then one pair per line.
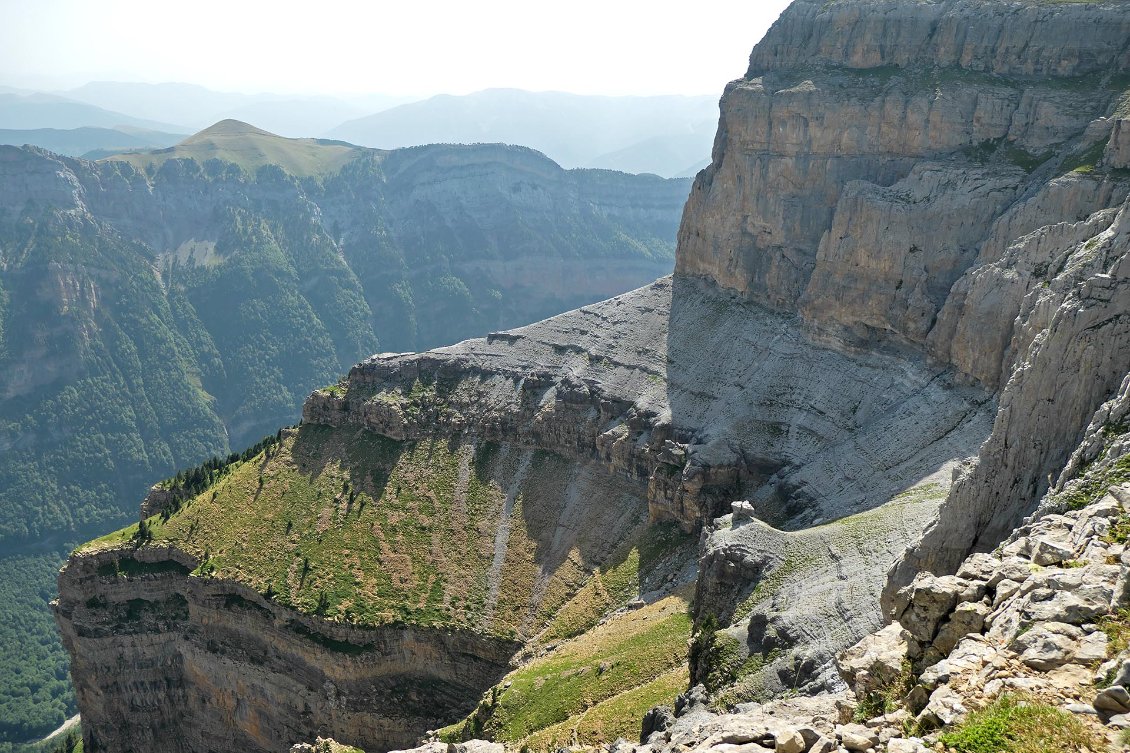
x,y
179,663
705,397
943,179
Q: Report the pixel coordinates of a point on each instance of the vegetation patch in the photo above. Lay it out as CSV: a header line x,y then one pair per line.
x,y
596,670
888,696
616,717
1086,161
1094,485
715,656
1013,725
128,567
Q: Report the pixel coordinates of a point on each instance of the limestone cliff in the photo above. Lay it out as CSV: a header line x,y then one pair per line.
x,y
901,295
902,176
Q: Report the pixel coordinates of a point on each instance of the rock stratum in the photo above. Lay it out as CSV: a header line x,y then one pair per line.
x,y
901,305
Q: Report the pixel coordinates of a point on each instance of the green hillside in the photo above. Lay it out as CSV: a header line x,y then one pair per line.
x,y
353,526
251,148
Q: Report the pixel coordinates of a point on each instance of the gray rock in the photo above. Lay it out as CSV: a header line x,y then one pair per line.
x,y
657,719
1047,645
979,566
875,661
967,618
479,746
1080,708
944,708
1092,648
1049,551
1122,676
856,737
906,745
1119,721
1112,701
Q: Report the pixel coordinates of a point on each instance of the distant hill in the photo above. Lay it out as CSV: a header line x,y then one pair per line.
x,y
252,148
663,134
36,110
90,143
197,106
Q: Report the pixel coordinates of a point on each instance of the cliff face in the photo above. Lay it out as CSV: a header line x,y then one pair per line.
x,y
212,665
901,295
945,178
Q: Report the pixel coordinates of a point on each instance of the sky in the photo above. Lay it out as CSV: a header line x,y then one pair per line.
x,y
411,47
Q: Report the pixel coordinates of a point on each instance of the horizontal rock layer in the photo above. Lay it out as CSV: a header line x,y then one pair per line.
x,y
176,663
703,397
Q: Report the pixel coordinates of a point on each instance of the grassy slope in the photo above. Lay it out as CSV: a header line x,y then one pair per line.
x,y
251,148
592,688
355,526
600,669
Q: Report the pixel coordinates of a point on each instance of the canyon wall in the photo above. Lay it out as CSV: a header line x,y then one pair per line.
x,y
195,664
901,294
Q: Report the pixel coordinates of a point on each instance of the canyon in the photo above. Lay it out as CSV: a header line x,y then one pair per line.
x,y
899,320
159,309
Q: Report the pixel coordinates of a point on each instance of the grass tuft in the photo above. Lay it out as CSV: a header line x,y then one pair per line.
x,y
1013,725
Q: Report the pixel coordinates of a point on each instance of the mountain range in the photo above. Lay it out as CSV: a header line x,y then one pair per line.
x,y
666,135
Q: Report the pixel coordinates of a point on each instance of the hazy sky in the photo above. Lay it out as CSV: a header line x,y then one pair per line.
x,y
352,46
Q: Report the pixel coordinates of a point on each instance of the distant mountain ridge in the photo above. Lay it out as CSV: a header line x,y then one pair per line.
x,y
27,111
665,135
89,143
196,106
670,135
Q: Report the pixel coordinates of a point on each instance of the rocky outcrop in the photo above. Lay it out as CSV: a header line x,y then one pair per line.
x,y
704,398
182,663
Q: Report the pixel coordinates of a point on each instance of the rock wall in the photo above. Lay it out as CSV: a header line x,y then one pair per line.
x,y
701,397
942,179
164,661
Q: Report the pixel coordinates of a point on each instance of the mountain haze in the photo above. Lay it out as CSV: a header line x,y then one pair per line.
x,y
666,135
90,143
27,111
196,106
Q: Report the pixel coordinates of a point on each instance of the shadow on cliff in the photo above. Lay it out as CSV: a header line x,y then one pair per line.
x,y
807,431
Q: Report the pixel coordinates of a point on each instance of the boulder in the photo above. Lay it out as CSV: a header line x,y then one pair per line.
x,y
1047,645
966,618
658,719
875,662
1112,701
856,737
944,708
